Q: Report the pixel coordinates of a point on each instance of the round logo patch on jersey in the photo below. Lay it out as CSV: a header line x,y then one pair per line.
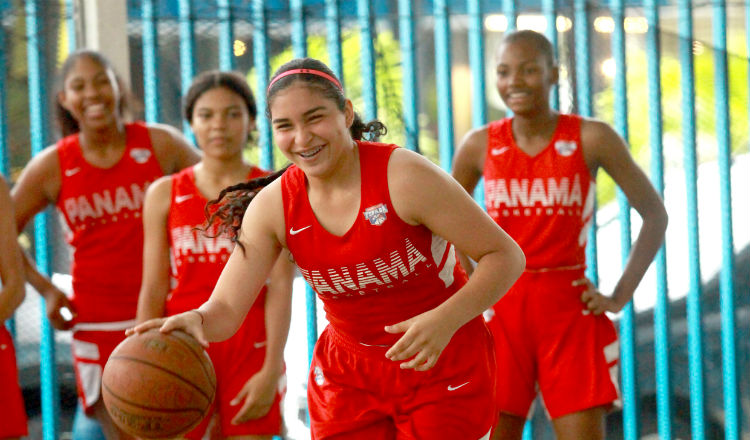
x,y
140,155
376,214
565,148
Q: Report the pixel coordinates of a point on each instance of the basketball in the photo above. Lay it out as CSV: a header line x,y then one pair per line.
x,y
158,385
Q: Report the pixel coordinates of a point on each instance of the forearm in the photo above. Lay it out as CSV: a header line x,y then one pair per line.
x,y
38,281
10,298
278,318
220,320
493,275
644,249
151,302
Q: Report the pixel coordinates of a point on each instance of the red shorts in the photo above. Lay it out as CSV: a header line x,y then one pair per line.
x,y
235,361
354,391
91,349
546,339
11,400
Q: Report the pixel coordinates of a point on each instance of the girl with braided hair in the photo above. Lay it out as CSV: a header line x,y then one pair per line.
x,y
249,366
372,229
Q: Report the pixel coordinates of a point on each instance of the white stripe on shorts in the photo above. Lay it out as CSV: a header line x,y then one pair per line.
x,y
486,436
104,326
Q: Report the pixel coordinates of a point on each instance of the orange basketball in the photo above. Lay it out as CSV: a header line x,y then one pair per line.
x,y
158,385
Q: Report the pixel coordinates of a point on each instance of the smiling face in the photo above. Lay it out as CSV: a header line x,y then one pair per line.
x,y
90,94
310,129
525,76
221,123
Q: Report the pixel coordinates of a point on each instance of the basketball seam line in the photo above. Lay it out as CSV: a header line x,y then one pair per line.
x,y
171,373
197,355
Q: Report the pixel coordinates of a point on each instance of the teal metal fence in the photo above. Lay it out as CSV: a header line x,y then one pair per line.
x,y
425,69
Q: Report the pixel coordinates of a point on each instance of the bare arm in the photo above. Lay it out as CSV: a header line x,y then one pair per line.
x,y
39,186
259,392
172,150
11,263
155,282
604,148
278,311
423,194
468,166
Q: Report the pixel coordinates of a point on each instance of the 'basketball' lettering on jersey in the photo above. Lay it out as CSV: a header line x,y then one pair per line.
x,y
187,240
400,266
105,203
547,192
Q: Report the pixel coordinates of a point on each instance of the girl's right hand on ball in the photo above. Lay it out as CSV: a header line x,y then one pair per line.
x,y
190,322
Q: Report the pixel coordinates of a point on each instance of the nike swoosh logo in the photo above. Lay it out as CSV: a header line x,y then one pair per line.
x,y
452,388
180,199
292,231
72,171
499,151
259,344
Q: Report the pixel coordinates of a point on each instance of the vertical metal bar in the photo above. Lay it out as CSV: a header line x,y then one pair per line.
x,y
443,81
627,321
690,165
4,154
549,9
476,63
584,108
333,38
367,58
661,309
150,61
299,33
187,50
478,83
70,24
39,136
726,285
260,60
407,40
511,14
226,34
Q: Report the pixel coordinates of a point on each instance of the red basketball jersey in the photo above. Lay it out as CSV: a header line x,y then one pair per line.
x,y
544,202
197,258
102,208
382,270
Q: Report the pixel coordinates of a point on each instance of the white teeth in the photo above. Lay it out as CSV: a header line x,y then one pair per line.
x,y
311,153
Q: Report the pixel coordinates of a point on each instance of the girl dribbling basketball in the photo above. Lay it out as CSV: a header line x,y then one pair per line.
x,y
372,228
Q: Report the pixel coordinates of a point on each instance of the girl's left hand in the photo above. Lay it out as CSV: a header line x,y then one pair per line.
x,y
425,337
258,393
596,302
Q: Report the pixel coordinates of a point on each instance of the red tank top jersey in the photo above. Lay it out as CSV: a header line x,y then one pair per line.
x,y
382,270
102,208
544,202
197,259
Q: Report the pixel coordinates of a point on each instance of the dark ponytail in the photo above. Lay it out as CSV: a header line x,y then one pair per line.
x,y
236,199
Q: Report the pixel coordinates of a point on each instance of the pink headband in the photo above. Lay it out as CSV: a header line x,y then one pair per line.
x,y
309,71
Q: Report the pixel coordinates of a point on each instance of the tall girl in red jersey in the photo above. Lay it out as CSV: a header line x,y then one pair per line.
x,y
11,296
371,227
97,176
249,366
539,168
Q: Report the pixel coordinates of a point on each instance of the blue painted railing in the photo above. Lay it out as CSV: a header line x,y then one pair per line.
x,y
328,16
